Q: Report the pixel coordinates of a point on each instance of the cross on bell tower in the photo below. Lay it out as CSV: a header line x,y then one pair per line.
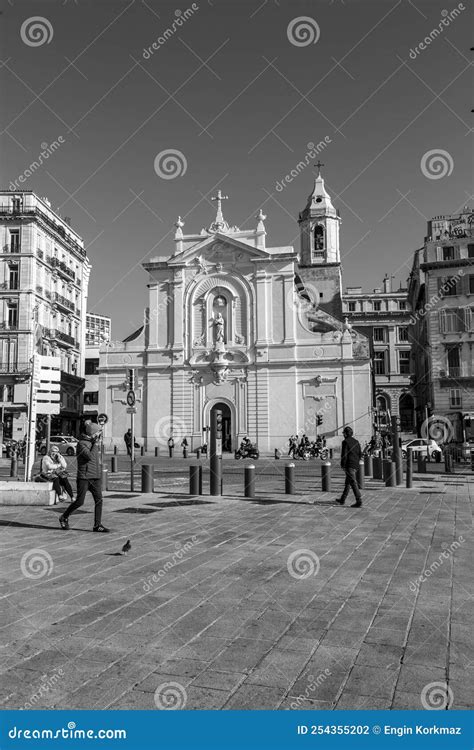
x,y
219,224
319,164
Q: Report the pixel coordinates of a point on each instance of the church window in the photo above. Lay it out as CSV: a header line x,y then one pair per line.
x,y
318,238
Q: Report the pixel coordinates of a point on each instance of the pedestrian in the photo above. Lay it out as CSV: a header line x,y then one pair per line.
x,y
128,441
351,454
53,468
170,446
89,477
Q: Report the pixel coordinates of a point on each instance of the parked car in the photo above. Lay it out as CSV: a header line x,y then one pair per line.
x,y
429,447
66,443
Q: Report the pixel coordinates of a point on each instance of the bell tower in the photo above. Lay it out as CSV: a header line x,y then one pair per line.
x,y
319,226
320,258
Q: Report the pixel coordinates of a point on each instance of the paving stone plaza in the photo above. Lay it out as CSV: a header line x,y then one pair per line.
x,y
277,602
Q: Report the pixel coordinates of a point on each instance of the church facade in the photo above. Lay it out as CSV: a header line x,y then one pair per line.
x,y
255,331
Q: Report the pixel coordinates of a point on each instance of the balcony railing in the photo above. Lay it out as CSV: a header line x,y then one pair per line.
x,y
22,210
62,268
14,368
60,300
65,337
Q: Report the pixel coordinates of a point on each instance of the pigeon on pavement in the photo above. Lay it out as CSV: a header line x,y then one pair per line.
x,y
126,547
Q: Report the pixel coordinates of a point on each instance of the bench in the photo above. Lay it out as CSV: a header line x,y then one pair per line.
x,y
27,493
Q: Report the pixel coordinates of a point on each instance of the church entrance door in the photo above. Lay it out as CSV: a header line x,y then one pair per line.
x,y
226,426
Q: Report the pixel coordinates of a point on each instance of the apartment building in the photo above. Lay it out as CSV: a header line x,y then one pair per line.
x,y
44,278
441,292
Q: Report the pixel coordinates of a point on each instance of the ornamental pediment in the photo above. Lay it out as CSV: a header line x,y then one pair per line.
x,y
218,250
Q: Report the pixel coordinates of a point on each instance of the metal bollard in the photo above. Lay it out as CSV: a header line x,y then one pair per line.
x,y
14,467
200,479
105,478
113,464
171,451
115,450
389,472
289,479
147,478
377,467
399,469
185,452
198,454
157,452
194,480
326,476
421,463
409,468
142,450
361,475
249,481
330,453
368,465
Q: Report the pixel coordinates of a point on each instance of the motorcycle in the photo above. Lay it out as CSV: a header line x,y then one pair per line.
x,y
247,451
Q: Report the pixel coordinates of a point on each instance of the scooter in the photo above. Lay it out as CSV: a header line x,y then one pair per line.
x,y
247,451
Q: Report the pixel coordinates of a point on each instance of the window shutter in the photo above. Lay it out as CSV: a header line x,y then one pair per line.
x,y
468,318
439,252
442,321
440,284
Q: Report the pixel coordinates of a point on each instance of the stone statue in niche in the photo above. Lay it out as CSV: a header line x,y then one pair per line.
x,y
219,328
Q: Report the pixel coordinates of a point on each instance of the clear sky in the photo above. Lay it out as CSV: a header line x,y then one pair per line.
x,y
239,88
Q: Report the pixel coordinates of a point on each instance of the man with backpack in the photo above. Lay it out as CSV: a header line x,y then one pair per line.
x,y
351,454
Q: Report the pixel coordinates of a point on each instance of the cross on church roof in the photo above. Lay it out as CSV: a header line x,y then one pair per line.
x,y
319,164
219,197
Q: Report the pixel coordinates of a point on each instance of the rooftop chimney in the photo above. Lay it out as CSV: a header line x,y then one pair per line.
x,y
387,284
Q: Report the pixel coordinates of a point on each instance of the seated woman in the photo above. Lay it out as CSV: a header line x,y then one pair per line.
x,y
54,469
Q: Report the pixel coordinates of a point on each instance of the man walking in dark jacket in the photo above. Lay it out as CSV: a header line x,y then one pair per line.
x,y
89,477
350,456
